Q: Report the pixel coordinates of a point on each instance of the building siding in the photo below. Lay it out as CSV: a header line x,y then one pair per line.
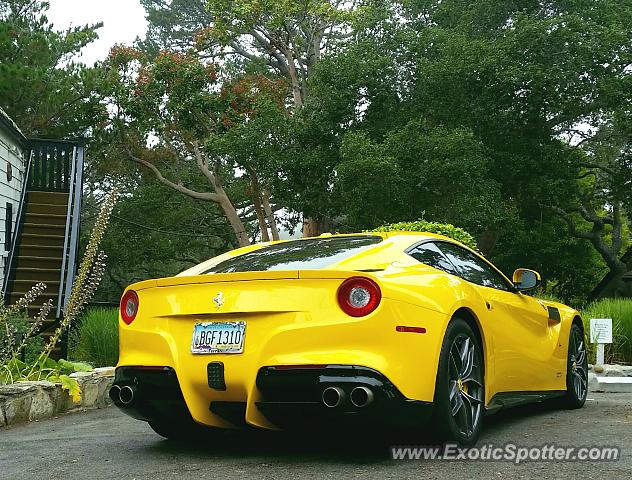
x,y
11,153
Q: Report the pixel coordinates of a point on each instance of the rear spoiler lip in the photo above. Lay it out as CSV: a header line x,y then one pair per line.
x,y
251,276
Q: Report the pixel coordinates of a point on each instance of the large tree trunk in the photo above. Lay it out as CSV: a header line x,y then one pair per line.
x,y
233,218
297,94
314,226
256,201
265,196
608,243
487,241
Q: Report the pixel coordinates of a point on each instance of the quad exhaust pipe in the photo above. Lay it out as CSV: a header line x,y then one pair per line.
x,y
122,395
333,396
127,394
115,394
360,397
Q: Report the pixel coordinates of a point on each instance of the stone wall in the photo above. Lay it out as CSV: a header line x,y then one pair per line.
x,y
28,401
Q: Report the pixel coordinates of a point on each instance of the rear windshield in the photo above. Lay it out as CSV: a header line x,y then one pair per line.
x,y
311,254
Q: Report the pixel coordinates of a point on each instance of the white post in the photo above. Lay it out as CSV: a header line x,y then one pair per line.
x,y
600,354
600,333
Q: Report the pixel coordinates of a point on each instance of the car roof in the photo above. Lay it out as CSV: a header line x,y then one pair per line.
x,y
401,240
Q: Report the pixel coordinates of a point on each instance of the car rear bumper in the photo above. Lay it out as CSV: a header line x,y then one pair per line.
x,y
276,339
289,397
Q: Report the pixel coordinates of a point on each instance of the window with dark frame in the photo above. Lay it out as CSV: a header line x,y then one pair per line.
x,y
472,268
429,254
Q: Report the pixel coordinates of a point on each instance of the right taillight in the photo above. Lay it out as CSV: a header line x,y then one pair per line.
x,y
359,296
129,306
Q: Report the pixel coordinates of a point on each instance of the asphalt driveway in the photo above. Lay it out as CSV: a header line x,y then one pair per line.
x,y
106,444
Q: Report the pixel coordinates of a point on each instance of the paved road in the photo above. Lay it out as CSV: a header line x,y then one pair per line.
x,y
105,444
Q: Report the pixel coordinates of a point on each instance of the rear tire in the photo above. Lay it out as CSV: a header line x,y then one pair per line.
x,y
460,386
576,370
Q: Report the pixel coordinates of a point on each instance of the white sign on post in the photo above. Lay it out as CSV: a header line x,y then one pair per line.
x,y
600,333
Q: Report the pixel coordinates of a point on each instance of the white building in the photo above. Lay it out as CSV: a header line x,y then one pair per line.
x,y
13,151
40,205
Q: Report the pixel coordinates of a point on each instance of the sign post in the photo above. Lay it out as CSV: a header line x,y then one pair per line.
x,y
600,333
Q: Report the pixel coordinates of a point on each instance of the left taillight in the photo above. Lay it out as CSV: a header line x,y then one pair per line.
x,y
359,296
129,306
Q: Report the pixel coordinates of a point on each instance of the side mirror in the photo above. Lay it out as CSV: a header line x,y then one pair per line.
x,y
525,279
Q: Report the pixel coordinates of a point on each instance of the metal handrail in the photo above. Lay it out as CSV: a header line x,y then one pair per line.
x,y
69,212
8,268
74,230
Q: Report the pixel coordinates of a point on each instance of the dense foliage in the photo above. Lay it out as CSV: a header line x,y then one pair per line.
x,y
233,124
95,339
620,311
444,229
42,86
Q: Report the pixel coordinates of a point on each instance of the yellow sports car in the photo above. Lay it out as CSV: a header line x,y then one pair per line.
x,y
399,328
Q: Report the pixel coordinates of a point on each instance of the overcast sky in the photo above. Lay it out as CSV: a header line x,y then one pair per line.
x,y
123,21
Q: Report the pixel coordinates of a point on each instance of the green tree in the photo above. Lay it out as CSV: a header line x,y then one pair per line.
x,y
257,145
472,112
286,39
156,232
542,84
42,87
169,114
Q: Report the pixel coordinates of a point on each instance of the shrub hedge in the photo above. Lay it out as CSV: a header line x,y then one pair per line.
x,y
95,339
620,310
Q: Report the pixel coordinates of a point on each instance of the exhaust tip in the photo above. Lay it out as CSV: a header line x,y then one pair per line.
x,y
126,395
333,396
115,393
361,397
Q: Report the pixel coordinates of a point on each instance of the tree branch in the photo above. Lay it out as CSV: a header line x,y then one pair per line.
x,y
202,165
598,166
571,225
617,227
176,186
280,63
608,253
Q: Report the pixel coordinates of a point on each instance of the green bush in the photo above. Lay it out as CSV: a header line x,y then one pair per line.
x,y
620,310
95,340
445,229
20,329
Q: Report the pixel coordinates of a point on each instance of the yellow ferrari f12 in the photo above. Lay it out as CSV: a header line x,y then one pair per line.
x,y
398,328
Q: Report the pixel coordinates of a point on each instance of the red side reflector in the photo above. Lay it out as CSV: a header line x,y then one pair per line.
x,y
404,329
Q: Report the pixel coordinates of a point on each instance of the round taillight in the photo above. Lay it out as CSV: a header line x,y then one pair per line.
x,y
359,296
129,306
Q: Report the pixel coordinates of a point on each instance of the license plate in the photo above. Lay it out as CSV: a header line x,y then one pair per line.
x,y
218,337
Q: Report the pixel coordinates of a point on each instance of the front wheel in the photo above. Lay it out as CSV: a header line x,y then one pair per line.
x,y
459,392
576,370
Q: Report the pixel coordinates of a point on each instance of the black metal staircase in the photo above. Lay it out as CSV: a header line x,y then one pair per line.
x,y
45,240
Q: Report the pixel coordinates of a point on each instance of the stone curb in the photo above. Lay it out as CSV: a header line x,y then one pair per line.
x,y
610,378
609,384
29,401
613,370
